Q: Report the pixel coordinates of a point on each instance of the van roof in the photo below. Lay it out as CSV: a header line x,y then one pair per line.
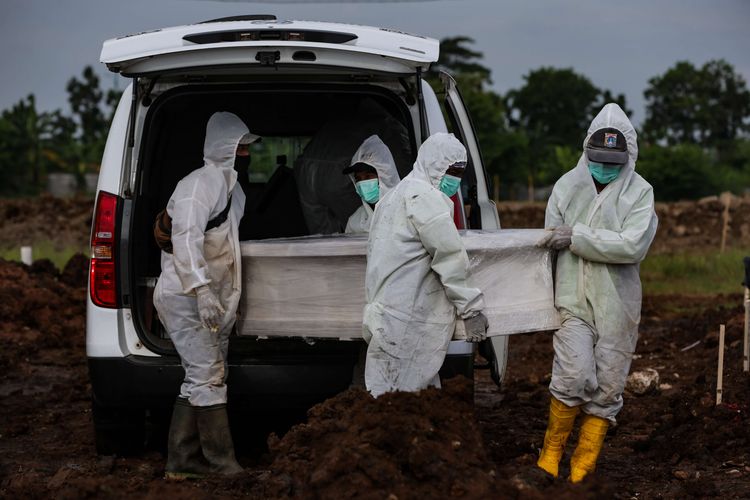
x,y
227,42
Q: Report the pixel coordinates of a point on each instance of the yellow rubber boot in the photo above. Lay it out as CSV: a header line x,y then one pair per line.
x,y
561,420
590,441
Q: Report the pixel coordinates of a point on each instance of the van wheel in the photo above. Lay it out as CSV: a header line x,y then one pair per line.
x,y
118,431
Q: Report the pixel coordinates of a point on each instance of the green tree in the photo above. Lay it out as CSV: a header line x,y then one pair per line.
x,y
553,110
34,143
485,106
20,148
458,59
556,106
683,171
709,106
62,151
92,111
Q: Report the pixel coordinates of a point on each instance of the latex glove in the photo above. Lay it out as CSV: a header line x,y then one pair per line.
x,y
557,238
209,308
476,328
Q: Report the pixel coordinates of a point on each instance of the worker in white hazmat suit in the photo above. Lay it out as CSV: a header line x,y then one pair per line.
x,y
373,173
601,218
416,280
197,296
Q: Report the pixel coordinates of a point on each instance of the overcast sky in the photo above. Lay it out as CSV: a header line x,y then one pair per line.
x,y
618,45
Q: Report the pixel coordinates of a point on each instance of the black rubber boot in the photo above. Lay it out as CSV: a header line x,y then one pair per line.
x,y
216,439
184,457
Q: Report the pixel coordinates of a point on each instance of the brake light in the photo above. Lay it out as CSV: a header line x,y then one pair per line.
x,y
102,281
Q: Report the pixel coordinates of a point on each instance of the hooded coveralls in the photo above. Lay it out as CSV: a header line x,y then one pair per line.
x,y
204,258
598,289
376,154
416,280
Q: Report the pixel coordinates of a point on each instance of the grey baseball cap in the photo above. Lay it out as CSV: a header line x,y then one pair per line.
x,y
607,145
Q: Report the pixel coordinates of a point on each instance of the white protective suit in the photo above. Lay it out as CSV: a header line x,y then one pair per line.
x,y
375,153
204,258
416,282
598,288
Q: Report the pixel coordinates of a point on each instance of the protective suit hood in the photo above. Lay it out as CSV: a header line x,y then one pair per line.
x,y
375,153
224,132
437,153
611,116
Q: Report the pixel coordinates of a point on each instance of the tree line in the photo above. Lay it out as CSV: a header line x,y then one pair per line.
x,y
693,142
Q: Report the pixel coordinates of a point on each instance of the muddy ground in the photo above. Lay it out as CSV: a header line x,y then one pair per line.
x,y
671,443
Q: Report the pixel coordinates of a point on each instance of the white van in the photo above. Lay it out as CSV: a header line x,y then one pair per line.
x,y
288,81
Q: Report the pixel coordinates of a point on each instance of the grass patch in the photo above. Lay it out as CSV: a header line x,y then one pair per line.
x,y
45,250
693,274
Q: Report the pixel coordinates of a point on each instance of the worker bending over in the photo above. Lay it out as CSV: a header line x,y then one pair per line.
x,y
416,280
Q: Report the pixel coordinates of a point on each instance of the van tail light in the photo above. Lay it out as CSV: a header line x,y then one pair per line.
x,y
102,281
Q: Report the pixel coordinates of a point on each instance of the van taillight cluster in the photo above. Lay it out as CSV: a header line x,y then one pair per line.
x,y
102,279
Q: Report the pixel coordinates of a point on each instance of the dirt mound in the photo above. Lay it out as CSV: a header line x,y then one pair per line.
x,y
423,445
38,310
76,271
27,221
688,225
684,225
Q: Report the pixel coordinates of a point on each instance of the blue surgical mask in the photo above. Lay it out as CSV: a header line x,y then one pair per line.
x,y
449,184
604,174
368,190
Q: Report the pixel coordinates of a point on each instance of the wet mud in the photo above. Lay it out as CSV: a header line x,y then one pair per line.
x,y
673,442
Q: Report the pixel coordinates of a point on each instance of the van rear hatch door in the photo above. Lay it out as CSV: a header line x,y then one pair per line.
x,y
258,43
464,129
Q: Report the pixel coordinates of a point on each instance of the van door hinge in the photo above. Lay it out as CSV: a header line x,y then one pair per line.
x,y
268,58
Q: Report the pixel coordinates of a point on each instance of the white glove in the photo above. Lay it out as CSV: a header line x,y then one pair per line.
x,y
557,238
209,308
476,328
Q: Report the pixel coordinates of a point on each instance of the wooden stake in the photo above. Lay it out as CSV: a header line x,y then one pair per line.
x,y
720,374
746,344
726,198
496,187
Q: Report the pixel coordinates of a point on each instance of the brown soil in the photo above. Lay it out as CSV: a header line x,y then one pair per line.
x,y
28,221
407,445
672,443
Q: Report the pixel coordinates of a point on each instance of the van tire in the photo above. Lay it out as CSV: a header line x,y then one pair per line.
x,y
118,431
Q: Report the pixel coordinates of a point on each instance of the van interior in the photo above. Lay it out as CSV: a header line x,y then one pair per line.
x,y
294,122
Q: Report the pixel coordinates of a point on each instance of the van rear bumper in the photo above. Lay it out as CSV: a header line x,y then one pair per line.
x,y
149,382
140,382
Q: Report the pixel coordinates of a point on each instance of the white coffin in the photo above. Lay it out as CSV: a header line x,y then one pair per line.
x,y
314,286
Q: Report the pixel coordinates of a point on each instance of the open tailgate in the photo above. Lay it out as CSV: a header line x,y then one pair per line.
x,y
268,42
